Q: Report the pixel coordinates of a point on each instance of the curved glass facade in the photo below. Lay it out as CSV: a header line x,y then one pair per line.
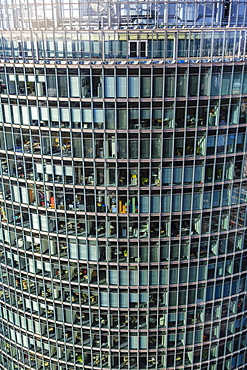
x,y
123,185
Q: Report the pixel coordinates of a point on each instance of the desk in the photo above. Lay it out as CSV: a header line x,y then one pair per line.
x,y
191,122
157,122
185,231
63,248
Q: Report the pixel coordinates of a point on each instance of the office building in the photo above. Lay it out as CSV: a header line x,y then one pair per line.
x,y
123,185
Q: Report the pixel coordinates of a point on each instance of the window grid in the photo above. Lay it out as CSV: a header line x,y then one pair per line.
x,y
123,185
